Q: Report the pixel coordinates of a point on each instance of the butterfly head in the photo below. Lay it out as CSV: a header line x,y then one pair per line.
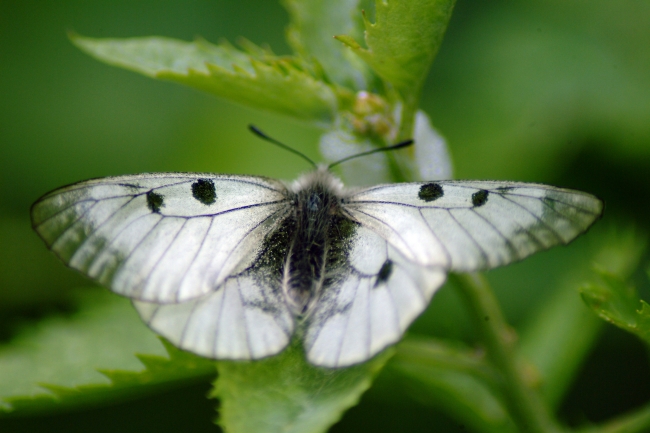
x,y
321,178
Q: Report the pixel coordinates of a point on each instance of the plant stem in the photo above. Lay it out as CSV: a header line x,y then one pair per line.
x,y
407,121
526,406
635,422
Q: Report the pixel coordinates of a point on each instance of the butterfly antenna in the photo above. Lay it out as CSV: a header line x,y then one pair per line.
x,y
263,136
370,152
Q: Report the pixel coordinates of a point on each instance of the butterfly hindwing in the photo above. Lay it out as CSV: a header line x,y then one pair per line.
x,y
160,237
373,299
246,317
473,225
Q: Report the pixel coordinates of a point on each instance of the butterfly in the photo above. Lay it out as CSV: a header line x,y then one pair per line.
x,y
233,267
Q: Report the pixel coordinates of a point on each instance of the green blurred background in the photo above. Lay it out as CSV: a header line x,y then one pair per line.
x,y
551,91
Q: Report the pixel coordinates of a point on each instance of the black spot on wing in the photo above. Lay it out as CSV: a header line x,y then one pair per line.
x,y
154,201
430,192
479,198
384,273
203,190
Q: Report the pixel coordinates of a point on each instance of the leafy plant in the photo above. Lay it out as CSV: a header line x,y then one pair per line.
x,y
362,90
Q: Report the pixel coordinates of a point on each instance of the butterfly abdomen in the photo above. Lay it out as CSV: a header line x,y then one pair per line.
x,y
316,211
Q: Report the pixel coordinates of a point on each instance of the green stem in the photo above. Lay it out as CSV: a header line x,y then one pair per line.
x,y
407,120
526,406
635,422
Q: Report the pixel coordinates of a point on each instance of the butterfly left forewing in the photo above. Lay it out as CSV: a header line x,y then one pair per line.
x,y
163,237
372,299
473,225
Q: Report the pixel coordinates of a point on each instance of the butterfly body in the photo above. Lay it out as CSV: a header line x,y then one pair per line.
x,y
233,267
315,217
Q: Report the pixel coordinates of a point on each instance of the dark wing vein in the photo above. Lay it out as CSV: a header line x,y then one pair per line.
x,y
153,315
391,228
145,280
250,231
507,241
189,319
69,227
444,248
106,221
243,318
531,213
575,225
347,323
108,244
136,247
486,259
198,251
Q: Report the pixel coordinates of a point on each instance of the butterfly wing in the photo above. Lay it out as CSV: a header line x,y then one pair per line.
x,y
473,225
245,318
161,238
374,297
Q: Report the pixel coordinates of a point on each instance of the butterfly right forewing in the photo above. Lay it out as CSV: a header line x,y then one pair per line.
x,y
473,225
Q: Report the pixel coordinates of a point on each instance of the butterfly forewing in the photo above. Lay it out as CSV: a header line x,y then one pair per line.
x,y
160,237
473,225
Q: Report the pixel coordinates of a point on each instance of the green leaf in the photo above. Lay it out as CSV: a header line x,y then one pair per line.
x,y
403,41
160,373
88,358
617,302
286,394
311,34
562,331
454,378
255,77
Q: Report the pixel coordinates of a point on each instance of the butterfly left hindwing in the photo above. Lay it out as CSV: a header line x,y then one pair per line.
x,y
245,318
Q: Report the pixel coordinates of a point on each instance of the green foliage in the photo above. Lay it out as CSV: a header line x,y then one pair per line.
x,y
310,34
288,394
560,335
160,373
456,378
403,41
65,362
254,77
617,302
401,46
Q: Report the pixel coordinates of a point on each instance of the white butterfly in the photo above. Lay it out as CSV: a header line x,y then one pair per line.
x,y
231,267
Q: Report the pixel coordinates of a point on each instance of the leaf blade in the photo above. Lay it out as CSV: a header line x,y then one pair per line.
x,y
255,78
403,41
289,395
311,34
88,359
